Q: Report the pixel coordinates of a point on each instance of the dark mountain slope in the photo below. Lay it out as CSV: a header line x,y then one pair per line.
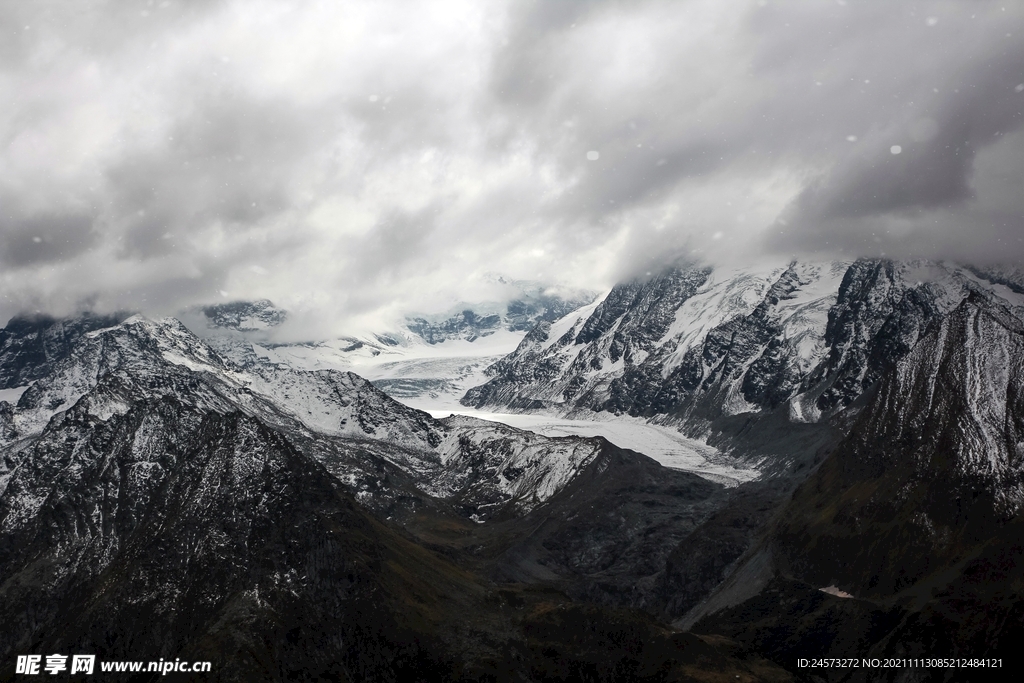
x,y
604,537
169,533
917,513
30,345
933,467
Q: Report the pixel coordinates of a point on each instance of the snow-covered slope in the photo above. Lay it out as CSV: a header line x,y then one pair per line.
x,y
142,354
695,345
29,345
403,365
658,442
108,371
434,376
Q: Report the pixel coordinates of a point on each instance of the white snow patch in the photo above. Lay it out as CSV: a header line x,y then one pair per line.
x,y
735,404
12,395
803,409
572,321
442,371
1008,295
726,294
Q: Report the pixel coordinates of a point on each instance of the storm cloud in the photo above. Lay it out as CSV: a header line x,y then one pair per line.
x,y
359,160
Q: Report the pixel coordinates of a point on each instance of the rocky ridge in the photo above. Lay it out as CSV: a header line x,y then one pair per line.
x,y
696,346
110,369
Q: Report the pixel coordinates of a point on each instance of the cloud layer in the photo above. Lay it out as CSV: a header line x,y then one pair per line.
x,y
359,160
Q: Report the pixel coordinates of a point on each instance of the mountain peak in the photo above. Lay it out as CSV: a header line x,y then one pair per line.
x,y
31,343
244,316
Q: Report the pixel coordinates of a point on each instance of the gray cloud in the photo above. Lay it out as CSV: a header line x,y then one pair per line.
x,y
358,160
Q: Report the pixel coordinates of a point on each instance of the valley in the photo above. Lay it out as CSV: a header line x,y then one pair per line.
x,y
671,460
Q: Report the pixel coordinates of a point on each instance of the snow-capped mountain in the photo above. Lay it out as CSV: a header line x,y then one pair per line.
x,y
244,316
895,385
169,531
526,304
30,344
695,344
107,371
405,366
149,476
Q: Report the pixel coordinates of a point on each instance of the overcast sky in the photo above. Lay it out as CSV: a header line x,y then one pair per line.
x,y
363,159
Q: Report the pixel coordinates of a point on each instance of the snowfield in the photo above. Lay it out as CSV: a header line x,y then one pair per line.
x,y
663,444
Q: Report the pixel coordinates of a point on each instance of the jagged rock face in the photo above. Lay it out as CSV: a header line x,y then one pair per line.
x,y
917,514
699,345
491,468
524,314
929,473
742,364
244,316
155,358
933,467
692,338
957,403
30,345
877,319
638,316
140,352
554,361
